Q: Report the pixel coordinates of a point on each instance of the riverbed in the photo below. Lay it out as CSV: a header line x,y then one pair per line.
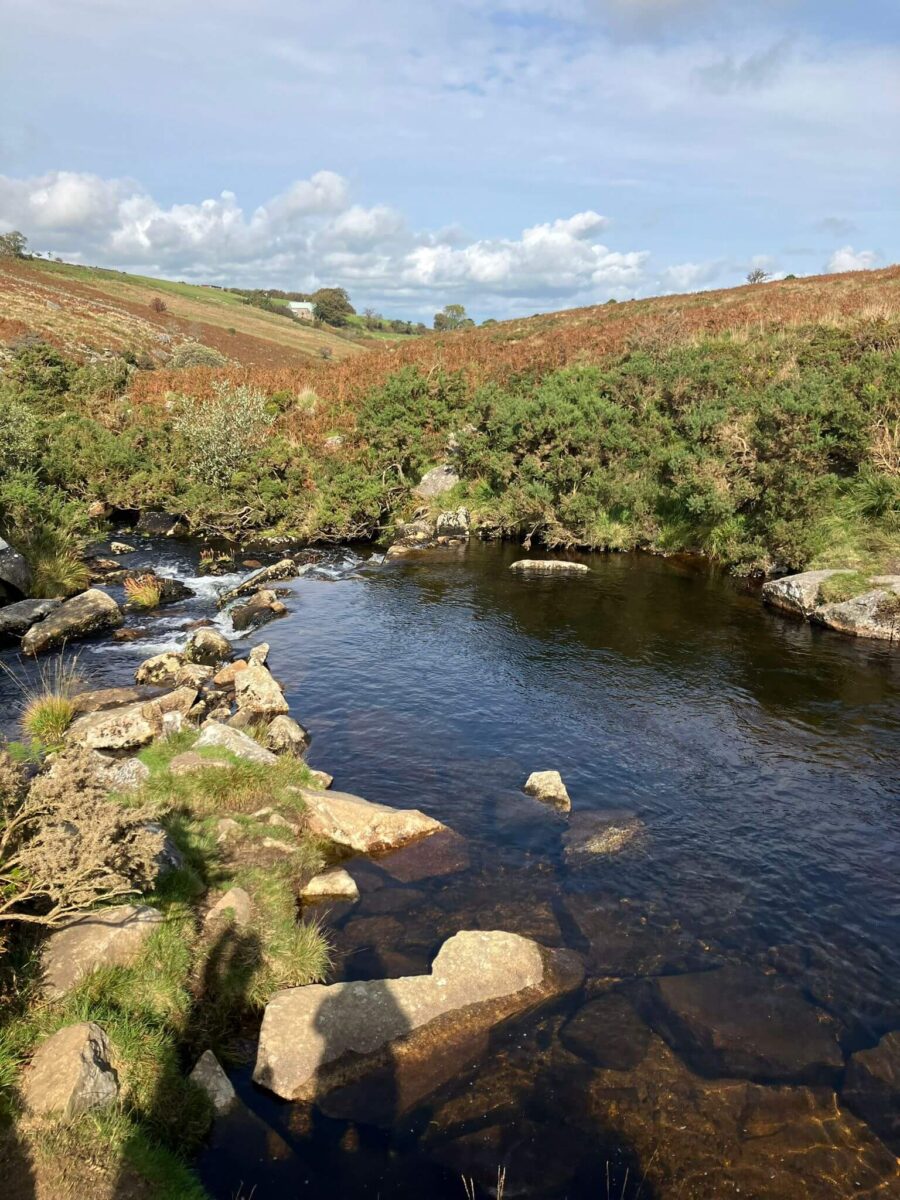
x,y
754,758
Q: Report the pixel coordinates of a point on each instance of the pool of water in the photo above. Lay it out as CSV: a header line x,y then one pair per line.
x,y
756,757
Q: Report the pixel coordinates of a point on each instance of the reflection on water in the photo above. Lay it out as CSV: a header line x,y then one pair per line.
x,y
760,756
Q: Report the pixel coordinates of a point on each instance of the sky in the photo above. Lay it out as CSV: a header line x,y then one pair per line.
x,y
513,156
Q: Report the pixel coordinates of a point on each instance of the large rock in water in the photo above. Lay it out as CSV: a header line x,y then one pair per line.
x,y
79,617
285,569
256,692
874,614
362,825
109,937
15,573
548,787
208,648
16,619
70,1073
872,1087
798,594
736,1021
548,566
375,1049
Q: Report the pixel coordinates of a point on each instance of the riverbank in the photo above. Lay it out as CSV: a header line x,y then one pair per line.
x,y
770,454
440,681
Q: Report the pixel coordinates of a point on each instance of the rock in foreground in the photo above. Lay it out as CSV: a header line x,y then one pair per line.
x,y
375,1049
874,614
872,1087
216,734
15,573
362,825
109,937
16,619
71,1073
126,728
79,617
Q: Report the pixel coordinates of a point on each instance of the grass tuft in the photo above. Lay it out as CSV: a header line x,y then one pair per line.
x,y
143,591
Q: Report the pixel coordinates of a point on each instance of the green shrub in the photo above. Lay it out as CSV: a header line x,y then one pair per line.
x,y
219,433
195,354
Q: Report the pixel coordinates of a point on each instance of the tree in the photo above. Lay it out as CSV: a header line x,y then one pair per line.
x,y
758,275
13,244
332,305
452,316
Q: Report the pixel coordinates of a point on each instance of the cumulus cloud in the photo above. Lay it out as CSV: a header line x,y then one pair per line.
x,y
848,259
313,233
691,276
732,74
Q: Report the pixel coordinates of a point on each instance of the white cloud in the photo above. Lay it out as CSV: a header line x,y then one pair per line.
x,y
691,276
310,234
848,259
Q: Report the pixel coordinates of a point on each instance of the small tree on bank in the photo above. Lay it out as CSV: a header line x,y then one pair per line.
x,y
758,275
13,244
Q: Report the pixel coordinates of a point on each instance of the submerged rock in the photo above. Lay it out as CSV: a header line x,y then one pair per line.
x,y
548,566
214,734
70,1073
797,594
548,787
874,614
109,937
16,619
737,1021
607,1032
362,825
872,1087
79,617
400,1039
594,834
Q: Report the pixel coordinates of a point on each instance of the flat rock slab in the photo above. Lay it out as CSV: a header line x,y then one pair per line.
x,y
70,1073
16,619
109,937
607,1032
872,1087
874,614
362,825
125,728
594,835
334,884
798,594
322,1041
436,482
442,853
285,569
190,762
548,787
548,566
738,1022
113,697
79,617
216,734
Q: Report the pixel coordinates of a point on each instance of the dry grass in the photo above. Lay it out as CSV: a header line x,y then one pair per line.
x,y
143,591
48,708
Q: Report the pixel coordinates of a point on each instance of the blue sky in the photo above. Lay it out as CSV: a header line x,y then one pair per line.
x,y
511,155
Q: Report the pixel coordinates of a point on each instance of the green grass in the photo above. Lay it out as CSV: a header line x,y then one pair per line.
x,y
843,587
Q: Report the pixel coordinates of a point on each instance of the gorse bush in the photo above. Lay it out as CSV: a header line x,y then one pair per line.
x,y
195,354
218,433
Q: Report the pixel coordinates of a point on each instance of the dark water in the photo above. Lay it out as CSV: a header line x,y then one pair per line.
x,y
760,757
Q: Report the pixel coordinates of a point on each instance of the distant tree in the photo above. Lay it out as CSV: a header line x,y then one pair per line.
x,y
791,276
758,275
452,316
489,321
13,244
332,305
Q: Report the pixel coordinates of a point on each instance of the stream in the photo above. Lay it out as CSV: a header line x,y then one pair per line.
x,y
756,756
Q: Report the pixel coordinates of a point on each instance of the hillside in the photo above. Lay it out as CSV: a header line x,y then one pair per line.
x,y
759,426
86,309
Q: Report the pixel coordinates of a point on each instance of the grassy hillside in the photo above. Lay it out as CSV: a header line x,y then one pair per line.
x,y
87,309
759,426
